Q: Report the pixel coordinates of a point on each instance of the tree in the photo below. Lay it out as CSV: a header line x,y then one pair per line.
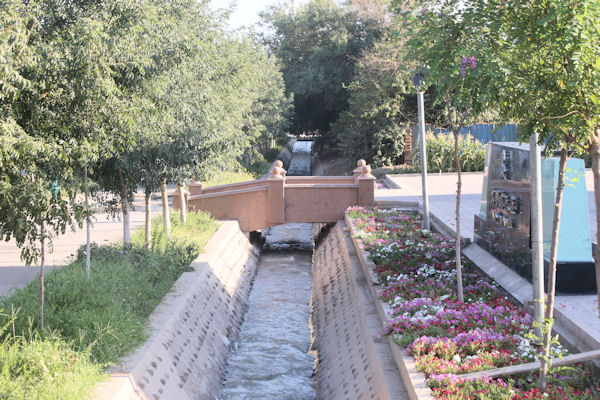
x,y
318,46
381,106
125,94
549,50
444,39
40,145
198,108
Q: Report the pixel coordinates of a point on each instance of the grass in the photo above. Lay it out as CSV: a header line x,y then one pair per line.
x,y
93,321
187,240
256,169
226,178
45,369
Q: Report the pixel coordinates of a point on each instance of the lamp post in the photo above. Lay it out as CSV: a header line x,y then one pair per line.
x,y
418,82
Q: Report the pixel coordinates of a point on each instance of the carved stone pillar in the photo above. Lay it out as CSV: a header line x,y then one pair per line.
x,y
276,196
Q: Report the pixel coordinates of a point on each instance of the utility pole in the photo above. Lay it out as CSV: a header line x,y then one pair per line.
x,y
418,82
537,236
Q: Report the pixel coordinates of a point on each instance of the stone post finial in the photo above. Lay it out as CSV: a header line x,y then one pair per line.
x,y
359,170
366,186
281,172
277,172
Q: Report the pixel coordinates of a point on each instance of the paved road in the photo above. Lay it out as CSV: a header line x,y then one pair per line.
x,y
15,274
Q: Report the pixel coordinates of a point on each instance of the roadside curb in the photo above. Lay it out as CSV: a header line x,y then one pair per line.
x,y
390,183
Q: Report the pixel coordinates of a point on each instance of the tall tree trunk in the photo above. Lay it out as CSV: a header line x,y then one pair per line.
x,y
547,331
87,225
459,282
182,204
124,207
595,153
148,218
42,262
165,209
456,132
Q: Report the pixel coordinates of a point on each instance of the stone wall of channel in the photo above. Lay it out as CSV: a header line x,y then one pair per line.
x,y
191,331
353,361
285,155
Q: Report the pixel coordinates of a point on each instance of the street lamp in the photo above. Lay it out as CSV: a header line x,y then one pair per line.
x,y
418,82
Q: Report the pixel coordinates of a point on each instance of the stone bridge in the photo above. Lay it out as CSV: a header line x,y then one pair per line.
x,y
280,199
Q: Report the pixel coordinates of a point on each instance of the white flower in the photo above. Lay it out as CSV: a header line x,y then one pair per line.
x,y
456,358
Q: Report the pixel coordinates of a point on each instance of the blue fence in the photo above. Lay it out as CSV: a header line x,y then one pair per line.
x,y
482,132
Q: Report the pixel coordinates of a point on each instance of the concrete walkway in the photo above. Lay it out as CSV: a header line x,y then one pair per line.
x,y
576,315
15,274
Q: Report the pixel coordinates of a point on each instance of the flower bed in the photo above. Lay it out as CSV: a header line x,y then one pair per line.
x,y
447,337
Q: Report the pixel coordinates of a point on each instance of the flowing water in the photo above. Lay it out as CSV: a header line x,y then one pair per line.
x,y
272,359
300,162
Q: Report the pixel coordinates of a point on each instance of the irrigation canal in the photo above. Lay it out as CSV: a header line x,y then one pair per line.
x,y
272,358
310,328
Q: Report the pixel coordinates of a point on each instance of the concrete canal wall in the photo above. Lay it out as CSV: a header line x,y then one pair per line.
x,y
353,361
193,328
285,155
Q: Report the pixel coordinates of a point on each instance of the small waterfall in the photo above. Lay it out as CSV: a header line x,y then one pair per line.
x,y
301,156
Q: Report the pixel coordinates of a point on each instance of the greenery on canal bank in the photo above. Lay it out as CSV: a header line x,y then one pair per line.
x,y
90,323
448,337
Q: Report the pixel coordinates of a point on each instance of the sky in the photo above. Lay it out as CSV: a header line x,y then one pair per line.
x,y
246,11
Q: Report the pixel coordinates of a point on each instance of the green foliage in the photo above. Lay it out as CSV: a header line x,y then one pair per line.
x,y
374,125
226,178
458,63
45,369
380,173
318,45
440,153
150,91
550,57
186,241
107,313
259,167
271,154
381,106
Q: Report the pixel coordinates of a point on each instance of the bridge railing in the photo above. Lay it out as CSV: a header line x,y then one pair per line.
x,y
281,199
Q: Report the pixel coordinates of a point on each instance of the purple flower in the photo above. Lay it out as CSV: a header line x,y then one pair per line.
x,y
472,62
469,62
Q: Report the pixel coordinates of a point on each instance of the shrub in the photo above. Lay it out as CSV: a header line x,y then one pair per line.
x,y
271,154
440,153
